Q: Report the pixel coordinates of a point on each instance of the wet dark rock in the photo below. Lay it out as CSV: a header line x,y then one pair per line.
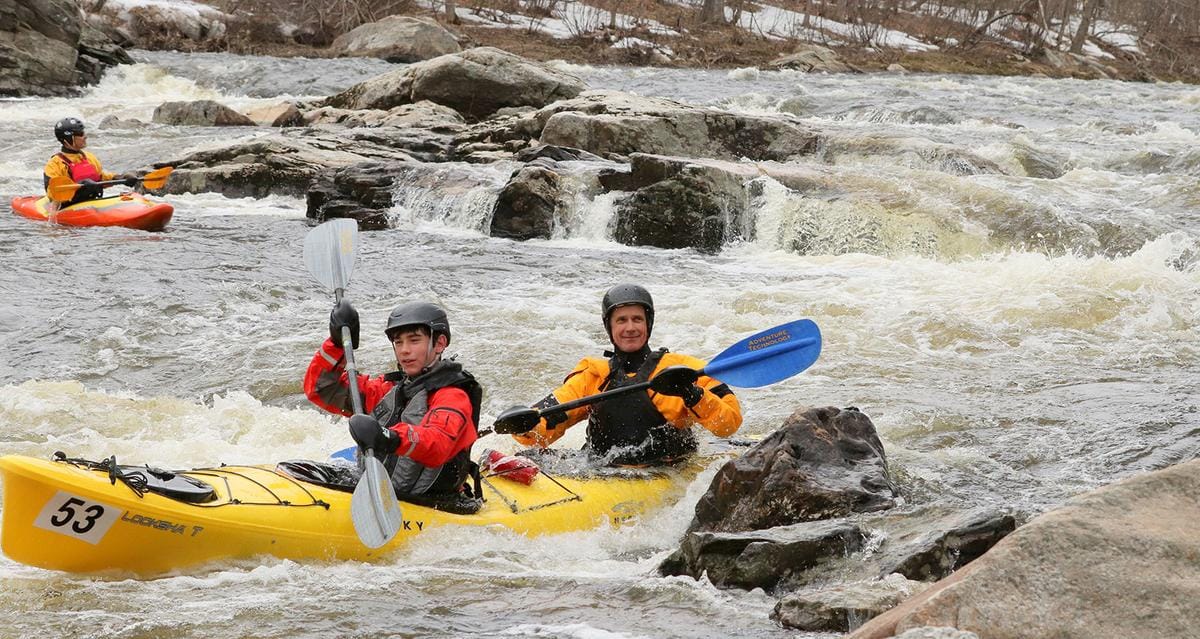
x,y
362,192
843,607
476,83
762,558
529,205
821,464
199,113
557,153
924,548
696,206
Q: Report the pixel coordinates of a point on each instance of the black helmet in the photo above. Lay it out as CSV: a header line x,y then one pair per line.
x,y
430,316
623,295
68,128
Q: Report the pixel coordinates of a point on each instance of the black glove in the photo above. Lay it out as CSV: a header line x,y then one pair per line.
x,y
367,433
679,381
89,190
129,180
343,315
517,419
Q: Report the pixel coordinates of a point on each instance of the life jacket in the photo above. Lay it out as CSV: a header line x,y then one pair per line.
x,y
408,402
81,170
631,422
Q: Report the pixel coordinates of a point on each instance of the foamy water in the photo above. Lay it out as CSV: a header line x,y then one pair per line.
x,y
1016,339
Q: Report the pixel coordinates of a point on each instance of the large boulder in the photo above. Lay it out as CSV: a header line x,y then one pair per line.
x,y
1120,561
46,48
476,83
199,113
397,39
611,123
821,464
812,58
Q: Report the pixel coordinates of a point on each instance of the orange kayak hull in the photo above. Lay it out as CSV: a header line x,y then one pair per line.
x,y
130,210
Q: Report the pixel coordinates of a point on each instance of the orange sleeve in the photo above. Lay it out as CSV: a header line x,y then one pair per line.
x,y
718,410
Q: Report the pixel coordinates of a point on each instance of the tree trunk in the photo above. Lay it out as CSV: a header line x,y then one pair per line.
x,y
451,12
1085,26
713,12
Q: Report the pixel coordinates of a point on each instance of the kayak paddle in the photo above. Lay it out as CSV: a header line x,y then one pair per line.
x,y
329,251
763,358
63,188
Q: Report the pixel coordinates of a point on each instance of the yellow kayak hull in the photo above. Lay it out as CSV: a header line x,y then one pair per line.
x,y
63,517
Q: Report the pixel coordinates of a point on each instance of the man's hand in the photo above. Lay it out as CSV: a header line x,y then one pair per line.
x,y
679,381
367,433
515,420
343,315
129,180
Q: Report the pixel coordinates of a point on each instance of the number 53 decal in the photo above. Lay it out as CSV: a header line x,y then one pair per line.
x,y
77,517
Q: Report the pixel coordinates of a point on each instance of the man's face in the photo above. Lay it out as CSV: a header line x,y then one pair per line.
x,y
412,349
629,331
77,141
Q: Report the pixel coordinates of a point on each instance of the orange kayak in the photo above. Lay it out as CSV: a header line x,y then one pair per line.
x,y
131,210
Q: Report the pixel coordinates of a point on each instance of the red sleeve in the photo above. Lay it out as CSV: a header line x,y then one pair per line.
x,y
327,384
446,430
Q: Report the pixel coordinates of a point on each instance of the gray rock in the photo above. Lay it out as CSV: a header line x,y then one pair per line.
x,y
812,58
476,83
397,39
47,49
199,113
762,558
843,607
695,205
614,124
277,115
528,205
822,463
1120,561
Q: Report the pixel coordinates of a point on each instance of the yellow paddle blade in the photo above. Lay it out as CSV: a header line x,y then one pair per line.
x,y
62,188
157,178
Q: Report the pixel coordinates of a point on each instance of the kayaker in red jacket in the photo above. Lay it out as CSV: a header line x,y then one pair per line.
x,y
641,427
81,166
429,408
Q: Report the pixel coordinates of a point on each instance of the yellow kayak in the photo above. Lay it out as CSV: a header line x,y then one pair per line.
x,y
71,516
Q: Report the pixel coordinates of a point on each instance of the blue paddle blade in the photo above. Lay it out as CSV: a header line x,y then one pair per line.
x,y
768,357
348,454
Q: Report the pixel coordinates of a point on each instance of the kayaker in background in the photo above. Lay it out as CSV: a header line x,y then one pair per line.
x,y
81,166
640,427
430,407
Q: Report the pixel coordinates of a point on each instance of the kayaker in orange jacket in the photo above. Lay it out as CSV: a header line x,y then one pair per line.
x,y
428,410
81,166
639,427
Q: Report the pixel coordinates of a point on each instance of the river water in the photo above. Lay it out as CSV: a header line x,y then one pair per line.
x,y
1018,335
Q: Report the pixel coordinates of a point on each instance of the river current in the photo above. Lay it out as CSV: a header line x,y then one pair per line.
x,y
1017,335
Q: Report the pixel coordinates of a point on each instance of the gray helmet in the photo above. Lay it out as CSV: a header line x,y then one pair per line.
x,y
430,316
68,128
623,295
